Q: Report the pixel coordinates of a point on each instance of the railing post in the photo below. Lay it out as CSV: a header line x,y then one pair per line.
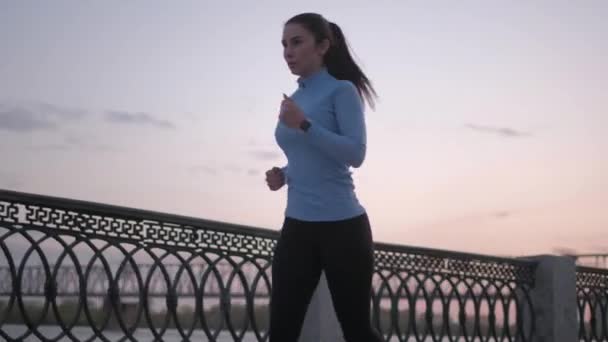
x,y
321,323
554,299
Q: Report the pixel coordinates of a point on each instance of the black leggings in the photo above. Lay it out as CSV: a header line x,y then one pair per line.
x,y
344,250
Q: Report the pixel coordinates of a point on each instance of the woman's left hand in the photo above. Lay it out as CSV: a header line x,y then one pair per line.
x,y
291,115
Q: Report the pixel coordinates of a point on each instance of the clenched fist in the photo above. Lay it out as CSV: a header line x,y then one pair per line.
x,y
275,178
291,115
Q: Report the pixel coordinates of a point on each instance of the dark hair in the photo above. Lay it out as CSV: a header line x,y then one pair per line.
x,y
338,60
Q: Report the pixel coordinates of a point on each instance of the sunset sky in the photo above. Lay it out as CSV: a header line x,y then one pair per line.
x,y
489,135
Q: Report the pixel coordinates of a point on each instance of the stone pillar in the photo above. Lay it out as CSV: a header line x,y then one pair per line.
x,y
321,323
554,299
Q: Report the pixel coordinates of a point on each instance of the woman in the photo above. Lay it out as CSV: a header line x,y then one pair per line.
x,y
322,132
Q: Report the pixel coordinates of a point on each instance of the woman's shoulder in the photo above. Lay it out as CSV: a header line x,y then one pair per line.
x,y
344,91
342,87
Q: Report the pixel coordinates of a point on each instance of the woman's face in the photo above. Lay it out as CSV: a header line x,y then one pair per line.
x,y
302,53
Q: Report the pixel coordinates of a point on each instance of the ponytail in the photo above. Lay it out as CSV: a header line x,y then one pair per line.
x,y
338,60
342,66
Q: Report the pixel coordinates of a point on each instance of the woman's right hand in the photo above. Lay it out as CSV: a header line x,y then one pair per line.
x,y
275,178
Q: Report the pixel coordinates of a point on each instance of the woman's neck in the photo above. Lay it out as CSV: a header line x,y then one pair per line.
x,y
312,72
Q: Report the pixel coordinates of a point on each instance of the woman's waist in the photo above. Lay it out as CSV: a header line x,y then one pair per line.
x,y
306,206
337,186
323,192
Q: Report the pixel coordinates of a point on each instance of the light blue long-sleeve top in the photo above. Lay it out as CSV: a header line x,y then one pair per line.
x,y
319,160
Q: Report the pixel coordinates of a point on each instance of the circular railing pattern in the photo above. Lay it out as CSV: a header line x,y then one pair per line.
x,y
110,273
592,300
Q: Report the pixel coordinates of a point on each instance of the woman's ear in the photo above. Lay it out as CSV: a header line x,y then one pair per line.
x,y
324,46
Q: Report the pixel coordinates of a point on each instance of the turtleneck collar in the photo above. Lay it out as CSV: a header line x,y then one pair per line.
x,y
317,76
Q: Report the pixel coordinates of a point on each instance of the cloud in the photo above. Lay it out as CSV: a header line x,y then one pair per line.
x,y
502,131
233,168
502,214
202,169
75,140
265,155
228,168
122,117
61,112
474,217
87,144
40,116
23,118
50,147
565,250
72,142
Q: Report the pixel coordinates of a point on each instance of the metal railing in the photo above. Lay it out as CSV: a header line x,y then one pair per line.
x,y
88,271
437,295
592,303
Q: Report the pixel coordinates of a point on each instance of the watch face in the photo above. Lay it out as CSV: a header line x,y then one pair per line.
x,y
305,125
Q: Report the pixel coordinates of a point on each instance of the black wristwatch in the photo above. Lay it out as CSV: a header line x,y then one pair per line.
x,y
305,125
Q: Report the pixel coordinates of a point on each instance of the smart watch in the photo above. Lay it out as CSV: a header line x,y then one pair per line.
x,y
305,125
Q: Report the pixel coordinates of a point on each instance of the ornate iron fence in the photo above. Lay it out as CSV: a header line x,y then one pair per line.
x,y
436,295
86,271
592,300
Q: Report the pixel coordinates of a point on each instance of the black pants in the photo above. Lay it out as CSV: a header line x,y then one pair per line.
x,y
344,250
